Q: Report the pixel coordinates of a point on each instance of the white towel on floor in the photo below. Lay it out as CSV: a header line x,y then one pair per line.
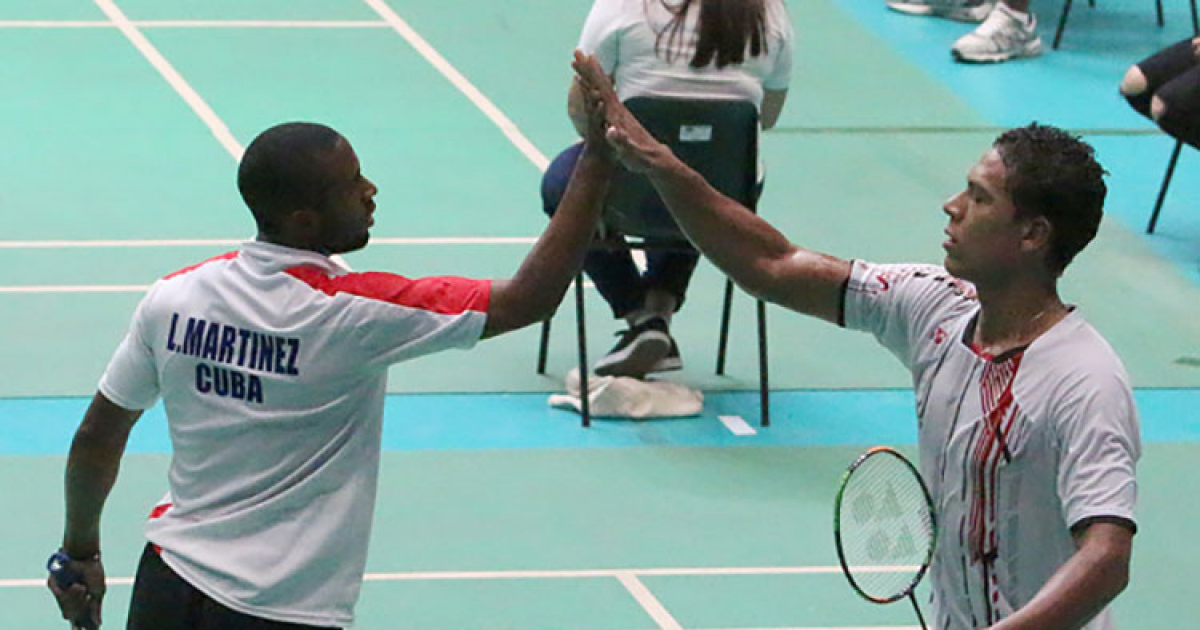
x,y
624,397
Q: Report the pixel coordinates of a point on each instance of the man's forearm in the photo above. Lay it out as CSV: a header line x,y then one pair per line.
x,y
92,468
1075,594
738,242
556,257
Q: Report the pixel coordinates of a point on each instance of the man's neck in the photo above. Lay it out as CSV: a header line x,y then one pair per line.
x,y
1013,316
283,241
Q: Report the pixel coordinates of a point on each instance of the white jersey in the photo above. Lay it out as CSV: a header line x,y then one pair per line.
x,y
272,366
622,34
1016,449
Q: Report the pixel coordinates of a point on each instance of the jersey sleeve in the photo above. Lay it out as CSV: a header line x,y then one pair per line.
x,y
388,318
780,75
902,304
1098,448
601,31
131,378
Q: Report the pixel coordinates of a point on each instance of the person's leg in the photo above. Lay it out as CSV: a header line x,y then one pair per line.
x,y
957,10
1009,32
1176,107
161,599
609,263
1145,78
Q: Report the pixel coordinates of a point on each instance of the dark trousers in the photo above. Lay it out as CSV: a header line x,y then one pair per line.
x,y
1173,75
163,601
610,264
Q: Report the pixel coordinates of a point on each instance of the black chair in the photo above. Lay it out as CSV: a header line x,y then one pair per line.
x,y
1062,20
717,138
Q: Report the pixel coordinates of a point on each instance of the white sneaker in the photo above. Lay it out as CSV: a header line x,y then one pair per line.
x,y
959,10
1004,35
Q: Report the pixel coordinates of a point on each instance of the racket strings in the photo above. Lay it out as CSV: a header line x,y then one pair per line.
x,y
887,529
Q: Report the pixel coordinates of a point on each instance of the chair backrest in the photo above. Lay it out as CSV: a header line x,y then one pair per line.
x,y
717,138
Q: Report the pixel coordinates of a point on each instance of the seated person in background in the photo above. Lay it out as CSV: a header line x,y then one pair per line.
x,y
693,49
1166,88
1008,31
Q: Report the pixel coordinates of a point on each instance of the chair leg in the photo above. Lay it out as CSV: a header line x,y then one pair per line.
x,y
1162,192
1062,24
723,337
764,386
544,346
581,333
1159,11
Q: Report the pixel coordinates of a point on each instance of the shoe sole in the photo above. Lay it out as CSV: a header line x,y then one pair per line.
x,y
637,359
669,364
973,15
1031,51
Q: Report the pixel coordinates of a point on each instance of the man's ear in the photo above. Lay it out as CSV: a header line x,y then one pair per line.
x,y
1038,234
305,224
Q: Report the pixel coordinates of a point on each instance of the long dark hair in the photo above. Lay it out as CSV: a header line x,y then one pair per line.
x,y
727,29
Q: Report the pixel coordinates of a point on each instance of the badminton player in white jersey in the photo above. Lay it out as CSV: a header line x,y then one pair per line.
x,y
1028,432
271,362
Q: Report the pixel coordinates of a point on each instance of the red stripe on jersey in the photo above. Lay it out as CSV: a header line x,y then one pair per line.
x,y
447,295
225,256
159,510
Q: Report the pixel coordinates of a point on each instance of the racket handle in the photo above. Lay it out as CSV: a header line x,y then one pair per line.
x,y
65,577
921,618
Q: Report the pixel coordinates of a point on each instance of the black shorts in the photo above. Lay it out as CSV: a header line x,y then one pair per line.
x,y
163,601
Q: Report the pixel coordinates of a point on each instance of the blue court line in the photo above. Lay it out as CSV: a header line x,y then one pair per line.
x,y
422,422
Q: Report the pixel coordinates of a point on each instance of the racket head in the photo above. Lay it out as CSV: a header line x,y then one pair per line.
x,y
883,519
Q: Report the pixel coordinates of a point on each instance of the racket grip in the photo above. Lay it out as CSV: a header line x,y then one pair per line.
x,y
65,577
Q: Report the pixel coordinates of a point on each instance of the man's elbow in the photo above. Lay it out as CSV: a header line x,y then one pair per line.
x,y
1116,573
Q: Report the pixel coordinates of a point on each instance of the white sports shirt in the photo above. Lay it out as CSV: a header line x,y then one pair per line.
x,y
272,366
622,35
1016,449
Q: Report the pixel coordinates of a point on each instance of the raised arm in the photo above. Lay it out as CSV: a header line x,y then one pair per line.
x,y
92,469
745,247
1081,588
538,286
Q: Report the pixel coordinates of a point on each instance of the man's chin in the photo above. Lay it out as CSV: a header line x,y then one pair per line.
x,y
353,246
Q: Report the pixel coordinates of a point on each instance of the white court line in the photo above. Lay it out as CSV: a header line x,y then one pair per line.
x,y
212,242
737,425
831,628
82,288
54,24
196,24
259,24
485,105
561,574
164,67
649,602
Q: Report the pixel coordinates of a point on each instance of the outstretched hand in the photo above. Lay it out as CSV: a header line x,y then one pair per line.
x,y
637,150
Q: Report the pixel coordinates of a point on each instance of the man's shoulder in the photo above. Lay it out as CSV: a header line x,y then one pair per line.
x,y
1073,361
872,278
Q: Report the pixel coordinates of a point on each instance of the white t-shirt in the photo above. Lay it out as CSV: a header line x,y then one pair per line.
x,y
272,366
1016,449
622,35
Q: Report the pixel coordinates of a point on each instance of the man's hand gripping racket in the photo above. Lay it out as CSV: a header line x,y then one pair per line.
x,y
78,586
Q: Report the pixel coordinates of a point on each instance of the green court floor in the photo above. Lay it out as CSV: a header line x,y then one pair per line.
x,y
113,179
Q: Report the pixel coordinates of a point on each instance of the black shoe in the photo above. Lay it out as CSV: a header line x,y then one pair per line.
x,y
639,350
671,362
